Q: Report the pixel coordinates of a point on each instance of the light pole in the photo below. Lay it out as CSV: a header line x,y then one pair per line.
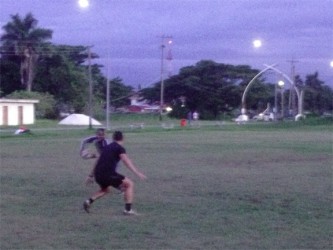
x,y
84,4
299,92
107,99
90,88
275,110
281,85
162,81
162,74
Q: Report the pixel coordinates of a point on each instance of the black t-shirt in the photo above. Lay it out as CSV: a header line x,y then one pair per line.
x,y
108,161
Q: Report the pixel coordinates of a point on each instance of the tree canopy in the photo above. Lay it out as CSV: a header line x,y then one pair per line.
x,y
23,39
59,70
209,87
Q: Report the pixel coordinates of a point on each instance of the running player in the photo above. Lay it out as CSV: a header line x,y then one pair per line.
x,y
106,175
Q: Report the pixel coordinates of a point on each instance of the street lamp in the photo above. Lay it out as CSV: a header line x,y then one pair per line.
x,y
162,73
90,88
85,4
107,98
280,85
162,81
257,43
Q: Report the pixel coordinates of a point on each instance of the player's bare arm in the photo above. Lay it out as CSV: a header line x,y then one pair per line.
x,y
127,161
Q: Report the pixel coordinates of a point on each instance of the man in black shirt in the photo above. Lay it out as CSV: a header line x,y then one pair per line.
x,y
106,175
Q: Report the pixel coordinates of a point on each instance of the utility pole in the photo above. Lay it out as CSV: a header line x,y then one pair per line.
x,y
107,98
90,87
108,92
163,37
292,95
276,101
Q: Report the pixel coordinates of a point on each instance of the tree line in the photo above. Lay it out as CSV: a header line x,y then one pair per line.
x,y
33,67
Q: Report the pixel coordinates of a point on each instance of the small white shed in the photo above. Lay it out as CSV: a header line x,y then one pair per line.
x,y
14,112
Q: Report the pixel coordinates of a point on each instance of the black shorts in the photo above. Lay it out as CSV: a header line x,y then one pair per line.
x,y
114,180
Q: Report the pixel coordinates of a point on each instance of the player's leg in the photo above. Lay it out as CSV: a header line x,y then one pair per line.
x,y
100,193
128,187
87,203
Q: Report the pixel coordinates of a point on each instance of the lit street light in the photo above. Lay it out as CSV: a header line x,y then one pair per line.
x,y
279,86
257,43
83,3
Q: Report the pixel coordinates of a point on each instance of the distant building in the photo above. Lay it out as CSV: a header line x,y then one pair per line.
x,y
14,112
138,106
135,99
139,109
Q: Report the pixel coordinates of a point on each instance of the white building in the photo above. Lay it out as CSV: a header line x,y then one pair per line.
x,y
14,112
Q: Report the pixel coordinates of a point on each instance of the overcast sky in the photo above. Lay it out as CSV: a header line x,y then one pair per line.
x,y
126,34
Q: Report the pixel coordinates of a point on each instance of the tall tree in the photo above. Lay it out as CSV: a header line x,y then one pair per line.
x,y
59,74
120,93
318,97
23,39
208,87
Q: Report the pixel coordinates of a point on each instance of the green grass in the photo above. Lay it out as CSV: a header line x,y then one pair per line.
x,y
258,186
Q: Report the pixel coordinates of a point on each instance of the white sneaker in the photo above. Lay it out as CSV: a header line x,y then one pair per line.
x,y
130,212
86,205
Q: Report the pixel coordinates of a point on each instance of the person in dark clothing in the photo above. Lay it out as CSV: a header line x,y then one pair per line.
x,y
99,141
106,175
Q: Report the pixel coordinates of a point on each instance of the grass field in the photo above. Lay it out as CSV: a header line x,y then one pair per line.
x,y
232,187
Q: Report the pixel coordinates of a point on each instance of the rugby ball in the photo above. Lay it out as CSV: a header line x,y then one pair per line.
x,y
86,154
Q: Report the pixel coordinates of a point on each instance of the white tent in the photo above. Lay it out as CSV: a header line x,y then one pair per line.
x,y
78,119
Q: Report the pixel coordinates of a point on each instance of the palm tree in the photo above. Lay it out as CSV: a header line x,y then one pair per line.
x,y
22,38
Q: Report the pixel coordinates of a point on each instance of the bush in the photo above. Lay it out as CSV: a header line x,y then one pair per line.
x,y
179,112
317,120
46,106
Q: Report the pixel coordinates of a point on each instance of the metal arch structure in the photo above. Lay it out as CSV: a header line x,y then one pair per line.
x,y
268,67
285,76
299,93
